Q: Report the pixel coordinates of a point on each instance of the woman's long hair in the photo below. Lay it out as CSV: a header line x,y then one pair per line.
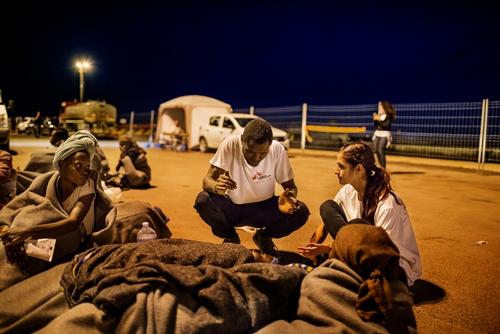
x,y
389,109
378,185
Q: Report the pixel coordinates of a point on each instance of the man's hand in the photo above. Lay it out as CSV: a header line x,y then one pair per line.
x,y
314,249
223,183
13,240
287,203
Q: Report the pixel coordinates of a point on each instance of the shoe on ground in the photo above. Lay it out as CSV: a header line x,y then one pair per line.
x,y
235,240
266,245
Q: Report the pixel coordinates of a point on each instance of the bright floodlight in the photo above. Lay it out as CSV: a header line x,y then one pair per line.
x,y
82,66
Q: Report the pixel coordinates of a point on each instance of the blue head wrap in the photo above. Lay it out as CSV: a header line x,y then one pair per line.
x,y
81,140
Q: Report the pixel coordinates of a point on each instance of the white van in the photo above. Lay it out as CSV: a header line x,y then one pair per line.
x,y
222,125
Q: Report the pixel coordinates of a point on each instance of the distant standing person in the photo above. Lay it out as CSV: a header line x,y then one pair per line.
x,y
238,189
382,136
38,123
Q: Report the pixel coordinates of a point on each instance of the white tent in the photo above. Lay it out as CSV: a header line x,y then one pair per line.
x,y
192,111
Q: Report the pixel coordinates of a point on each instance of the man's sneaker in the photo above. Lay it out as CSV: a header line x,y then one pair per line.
x,y
266,245
235,240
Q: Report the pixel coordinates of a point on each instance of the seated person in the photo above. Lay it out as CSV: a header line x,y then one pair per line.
x,y
7,178
65,205
367,197
238,189
132,170
175,137
58,136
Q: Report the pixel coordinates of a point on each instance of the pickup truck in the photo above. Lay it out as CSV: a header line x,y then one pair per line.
x,y
222,125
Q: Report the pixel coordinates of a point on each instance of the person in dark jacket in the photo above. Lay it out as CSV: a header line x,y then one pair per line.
x,y
133,170
382,136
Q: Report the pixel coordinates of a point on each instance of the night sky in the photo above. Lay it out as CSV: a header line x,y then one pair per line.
x,y
260,53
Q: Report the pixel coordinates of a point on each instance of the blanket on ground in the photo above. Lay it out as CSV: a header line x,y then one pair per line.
x,y
369,251
125,220
328,297
39,299
41,162
194,287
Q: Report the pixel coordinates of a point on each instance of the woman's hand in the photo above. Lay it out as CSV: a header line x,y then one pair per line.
x,y
314,249
13,240
287,203
223,183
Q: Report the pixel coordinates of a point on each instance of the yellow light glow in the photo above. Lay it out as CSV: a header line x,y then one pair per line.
x,y
83,65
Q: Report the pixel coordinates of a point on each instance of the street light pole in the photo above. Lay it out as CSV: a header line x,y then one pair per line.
x,y
82,66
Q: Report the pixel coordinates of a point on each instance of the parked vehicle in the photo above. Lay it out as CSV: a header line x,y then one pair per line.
x,y
26,126
192,112
95,116
222,125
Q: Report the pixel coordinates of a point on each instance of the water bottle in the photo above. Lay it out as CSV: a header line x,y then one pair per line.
x,y
146,233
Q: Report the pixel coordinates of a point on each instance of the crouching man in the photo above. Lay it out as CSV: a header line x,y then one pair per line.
x,y
238,189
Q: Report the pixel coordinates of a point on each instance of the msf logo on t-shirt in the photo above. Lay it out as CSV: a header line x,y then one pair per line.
x,y
259,177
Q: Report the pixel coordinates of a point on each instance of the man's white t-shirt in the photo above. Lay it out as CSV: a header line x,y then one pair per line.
x,y
394,219
253,184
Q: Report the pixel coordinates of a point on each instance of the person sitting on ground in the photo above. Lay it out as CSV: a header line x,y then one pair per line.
x,y
66,205
367,197
58,136
133,170
238,189
7,178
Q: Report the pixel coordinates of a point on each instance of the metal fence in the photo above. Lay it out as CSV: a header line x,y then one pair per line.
x,y
460,130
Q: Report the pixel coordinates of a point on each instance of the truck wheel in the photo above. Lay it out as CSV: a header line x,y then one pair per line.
x,y
203,145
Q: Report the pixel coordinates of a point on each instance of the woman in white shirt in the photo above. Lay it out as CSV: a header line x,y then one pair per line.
x,y
366,197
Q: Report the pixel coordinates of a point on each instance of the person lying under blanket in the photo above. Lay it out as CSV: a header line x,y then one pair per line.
x,y
360,288
187,286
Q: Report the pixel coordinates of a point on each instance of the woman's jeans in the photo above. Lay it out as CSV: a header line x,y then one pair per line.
x,y
334,218
379,144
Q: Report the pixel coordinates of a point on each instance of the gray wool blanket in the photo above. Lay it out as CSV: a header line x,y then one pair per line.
x,y
181,285
328,297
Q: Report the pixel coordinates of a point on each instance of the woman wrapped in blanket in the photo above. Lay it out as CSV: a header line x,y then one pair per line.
x,y
366,197
65,205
